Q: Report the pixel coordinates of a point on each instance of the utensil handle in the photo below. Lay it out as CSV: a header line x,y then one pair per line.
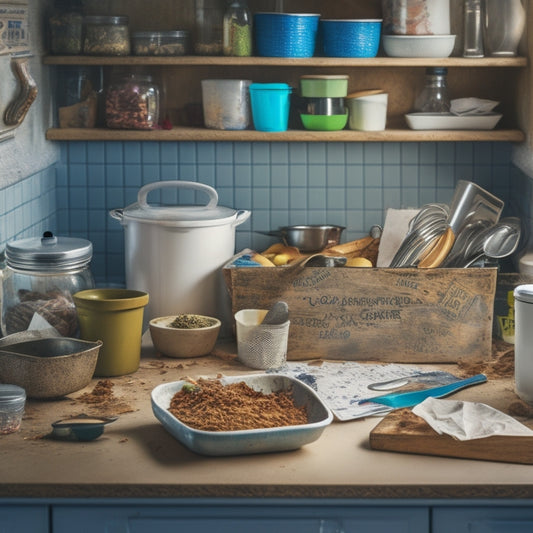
x,y
143,191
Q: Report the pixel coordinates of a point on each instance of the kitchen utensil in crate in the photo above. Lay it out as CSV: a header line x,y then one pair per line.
x,y
261,346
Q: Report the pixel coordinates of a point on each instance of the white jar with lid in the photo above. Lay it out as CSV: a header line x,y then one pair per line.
x,y
523,301
40,276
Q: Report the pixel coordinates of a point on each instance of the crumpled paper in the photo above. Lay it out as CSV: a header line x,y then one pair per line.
x,y
468,420
472,106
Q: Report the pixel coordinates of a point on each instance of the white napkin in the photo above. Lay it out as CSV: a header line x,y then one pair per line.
x,y
472,106
468,420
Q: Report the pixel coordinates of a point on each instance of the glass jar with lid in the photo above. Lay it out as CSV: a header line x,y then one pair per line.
x,y
132,102
65,27
434,96
209,16
106,35
39,279
237,30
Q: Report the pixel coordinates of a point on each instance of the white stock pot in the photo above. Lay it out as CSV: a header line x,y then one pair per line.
x,y
175,253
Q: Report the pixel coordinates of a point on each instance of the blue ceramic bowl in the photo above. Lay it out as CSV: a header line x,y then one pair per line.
x,y
350,38
285,34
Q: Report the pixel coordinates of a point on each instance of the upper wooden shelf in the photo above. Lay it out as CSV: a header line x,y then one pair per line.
x,y
510,62
204,134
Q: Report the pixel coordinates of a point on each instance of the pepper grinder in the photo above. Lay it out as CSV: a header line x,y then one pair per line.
x,y
473,32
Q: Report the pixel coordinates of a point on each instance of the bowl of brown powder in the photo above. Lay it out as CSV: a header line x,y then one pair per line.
x,y
184,335
241,415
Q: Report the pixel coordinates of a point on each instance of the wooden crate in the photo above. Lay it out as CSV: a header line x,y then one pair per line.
x,y
380,314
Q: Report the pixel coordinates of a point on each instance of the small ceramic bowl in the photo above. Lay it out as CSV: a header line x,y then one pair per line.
x,y
418,45
184,342
324,122
50,367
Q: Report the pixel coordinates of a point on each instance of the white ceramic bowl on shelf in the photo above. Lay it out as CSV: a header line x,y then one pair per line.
x,y
418,45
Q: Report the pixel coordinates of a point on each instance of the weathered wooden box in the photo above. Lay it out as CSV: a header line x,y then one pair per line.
x,y
383,314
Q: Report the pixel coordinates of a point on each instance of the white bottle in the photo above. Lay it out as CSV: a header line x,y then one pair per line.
x,y
523,298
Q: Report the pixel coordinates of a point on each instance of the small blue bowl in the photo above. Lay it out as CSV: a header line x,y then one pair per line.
x,y
350,38
285,34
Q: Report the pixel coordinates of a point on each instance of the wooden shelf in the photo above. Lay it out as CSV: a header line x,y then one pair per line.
x,y
203,134
378,62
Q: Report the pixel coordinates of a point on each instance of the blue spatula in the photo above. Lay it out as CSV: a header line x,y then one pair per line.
x,y
397,400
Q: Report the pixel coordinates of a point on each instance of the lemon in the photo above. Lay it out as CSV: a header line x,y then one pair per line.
x,y
359,262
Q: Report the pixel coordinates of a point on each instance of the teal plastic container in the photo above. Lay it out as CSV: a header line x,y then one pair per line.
x,y
270,106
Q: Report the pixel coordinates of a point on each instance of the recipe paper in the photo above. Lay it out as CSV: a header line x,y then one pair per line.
x,y
341,386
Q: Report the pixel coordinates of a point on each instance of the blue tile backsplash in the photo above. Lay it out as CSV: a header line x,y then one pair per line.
x,y
351,184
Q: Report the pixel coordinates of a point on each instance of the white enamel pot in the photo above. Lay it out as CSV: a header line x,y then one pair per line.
x,y
175,253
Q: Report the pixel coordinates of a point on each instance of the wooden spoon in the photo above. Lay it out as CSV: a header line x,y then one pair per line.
x,y
439,251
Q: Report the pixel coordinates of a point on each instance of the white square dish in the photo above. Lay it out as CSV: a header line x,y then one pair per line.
x,y
447,121
243,442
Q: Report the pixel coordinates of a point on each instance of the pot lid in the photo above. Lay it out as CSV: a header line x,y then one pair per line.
x,y
210,214
48,253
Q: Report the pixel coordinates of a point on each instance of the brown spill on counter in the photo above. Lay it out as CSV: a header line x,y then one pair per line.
x,y
101,400
500,364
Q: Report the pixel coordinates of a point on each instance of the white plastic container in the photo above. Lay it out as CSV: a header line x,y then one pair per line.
x,y
175,253
367,112
523,298
226,104
260,346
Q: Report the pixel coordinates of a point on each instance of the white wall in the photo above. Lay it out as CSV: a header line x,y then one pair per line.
x,y
28,152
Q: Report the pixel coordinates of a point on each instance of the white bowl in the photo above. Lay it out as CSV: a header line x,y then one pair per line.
x,y
418,45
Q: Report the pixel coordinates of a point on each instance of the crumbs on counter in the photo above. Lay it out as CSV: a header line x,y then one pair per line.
x,y
103,401
500,364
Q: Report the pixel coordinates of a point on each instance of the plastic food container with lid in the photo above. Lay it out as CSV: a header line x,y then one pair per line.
x,y
161,43
12,402
39,278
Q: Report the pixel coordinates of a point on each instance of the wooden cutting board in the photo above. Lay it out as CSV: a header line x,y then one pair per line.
x,y
403,431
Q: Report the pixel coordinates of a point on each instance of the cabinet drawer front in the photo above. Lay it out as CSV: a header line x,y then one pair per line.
x,y
24,519
487,520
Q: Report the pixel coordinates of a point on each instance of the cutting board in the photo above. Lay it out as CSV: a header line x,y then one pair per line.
x,y
403,431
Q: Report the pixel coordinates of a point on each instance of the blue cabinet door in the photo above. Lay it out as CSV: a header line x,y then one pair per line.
x,y
234,518
483,520
24,519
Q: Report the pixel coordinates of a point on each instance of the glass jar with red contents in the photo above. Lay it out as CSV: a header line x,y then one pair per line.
x,y
132,102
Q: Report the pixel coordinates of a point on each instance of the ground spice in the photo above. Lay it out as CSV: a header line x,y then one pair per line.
x,y
500,364
103,402
191,322
211,406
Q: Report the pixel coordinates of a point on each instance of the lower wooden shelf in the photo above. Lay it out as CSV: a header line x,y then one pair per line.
x,y
203,134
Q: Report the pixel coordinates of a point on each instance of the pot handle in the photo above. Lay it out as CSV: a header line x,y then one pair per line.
x,y
242,216
143,191
117,213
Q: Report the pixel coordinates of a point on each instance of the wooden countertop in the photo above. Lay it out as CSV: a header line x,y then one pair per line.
x,y
137,458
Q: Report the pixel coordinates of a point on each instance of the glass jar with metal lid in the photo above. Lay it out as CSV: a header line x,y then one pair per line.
x,y
106,35
38,281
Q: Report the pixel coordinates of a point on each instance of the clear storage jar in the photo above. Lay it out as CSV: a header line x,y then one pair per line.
x,y
106,35
65,27
209,16
38,281
237,30
160,43
12,402
132,102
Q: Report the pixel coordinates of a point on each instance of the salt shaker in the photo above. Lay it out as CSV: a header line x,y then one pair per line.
x,y
473,32
523,315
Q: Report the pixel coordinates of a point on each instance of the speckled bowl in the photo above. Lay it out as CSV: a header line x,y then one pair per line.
x,y
49,368
183,342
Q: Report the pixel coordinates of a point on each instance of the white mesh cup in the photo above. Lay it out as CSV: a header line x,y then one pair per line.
x,y
260,346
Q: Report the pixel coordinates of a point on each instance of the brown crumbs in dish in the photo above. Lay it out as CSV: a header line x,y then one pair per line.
x,y
211,406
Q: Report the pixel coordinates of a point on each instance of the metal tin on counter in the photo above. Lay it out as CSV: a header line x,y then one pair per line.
x,y
106,35
132,102
161,43
38,281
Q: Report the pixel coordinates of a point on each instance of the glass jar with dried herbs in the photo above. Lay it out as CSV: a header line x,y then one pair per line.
x,y
65,27
106,35
237,30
